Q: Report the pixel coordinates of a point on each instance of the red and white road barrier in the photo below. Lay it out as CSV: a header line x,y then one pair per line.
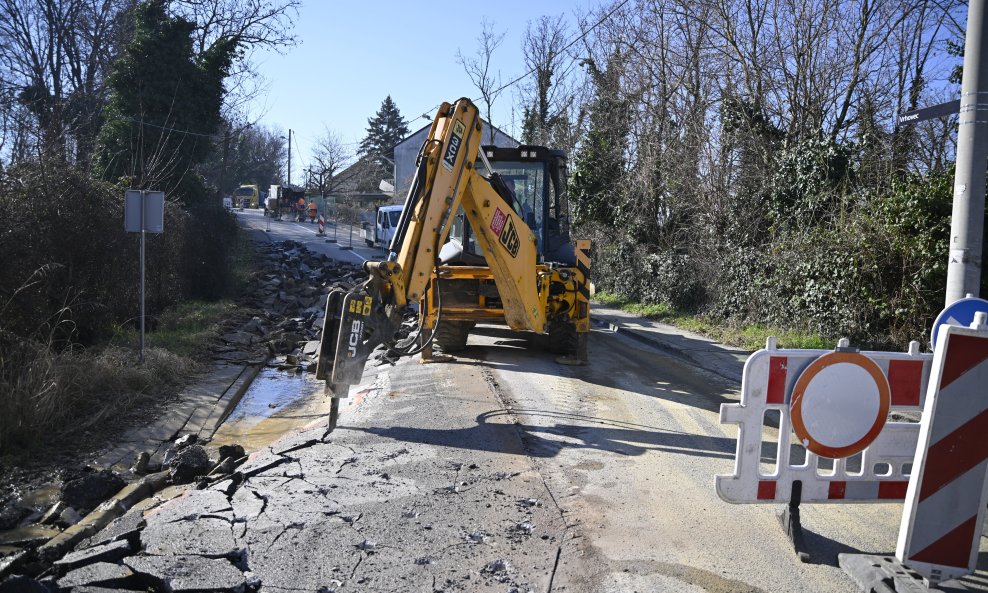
x,y
832,405
322,225
945,504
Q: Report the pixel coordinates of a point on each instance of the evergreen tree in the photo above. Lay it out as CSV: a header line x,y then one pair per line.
x,y
385,130
601,161
165,104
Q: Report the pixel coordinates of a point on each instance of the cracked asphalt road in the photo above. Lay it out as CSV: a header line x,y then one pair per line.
x,y
500,471
503,471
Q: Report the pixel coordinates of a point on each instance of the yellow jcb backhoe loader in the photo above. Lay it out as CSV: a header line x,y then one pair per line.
x,y
483,237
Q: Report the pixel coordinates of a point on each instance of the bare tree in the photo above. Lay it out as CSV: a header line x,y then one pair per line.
x,y
549,98
330,158
255,24
56,54
478,68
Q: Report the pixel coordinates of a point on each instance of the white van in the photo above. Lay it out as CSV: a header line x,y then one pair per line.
x,y
383,230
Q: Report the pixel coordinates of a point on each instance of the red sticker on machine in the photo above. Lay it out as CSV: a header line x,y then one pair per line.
x,y
497,223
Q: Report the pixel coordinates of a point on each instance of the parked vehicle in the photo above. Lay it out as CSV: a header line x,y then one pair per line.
x,y
382,230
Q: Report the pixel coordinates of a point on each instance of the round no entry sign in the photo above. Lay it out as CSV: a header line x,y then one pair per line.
x,y
840,404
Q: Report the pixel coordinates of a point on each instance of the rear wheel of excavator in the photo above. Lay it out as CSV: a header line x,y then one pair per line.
x,y
561,338
451,336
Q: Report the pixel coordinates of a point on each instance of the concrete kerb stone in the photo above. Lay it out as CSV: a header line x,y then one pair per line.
x,y
711,356
231,397
207,404
101,517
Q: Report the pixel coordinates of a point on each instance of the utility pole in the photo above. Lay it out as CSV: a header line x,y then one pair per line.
x,y
966,228
289,158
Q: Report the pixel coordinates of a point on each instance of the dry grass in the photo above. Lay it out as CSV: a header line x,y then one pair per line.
x,y
47,397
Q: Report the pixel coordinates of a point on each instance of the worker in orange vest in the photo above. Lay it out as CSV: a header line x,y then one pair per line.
x,y
300,209
312,211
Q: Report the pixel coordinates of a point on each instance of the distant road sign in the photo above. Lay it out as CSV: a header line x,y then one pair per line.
x,y
960,312
918,115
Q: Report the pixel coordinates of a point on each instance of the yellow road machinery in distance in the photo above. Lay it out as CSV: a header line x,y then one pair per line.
x,y
247,196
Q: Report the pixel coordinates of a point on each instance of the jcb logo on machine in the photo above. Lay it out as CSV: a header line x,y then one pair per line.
x,y
509,238
454,145
356,329
363,308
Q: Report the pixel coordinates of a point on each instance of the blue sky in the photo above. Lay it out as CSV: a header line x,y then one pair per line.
x,y
352,54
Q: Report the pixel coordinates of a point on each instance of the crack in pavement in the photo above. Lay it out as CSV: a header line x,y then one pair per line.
x,y
357,565
284,530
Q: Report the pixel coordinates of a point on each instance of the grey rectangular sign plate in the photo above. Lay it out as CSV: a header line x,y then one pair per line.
x,y
154,211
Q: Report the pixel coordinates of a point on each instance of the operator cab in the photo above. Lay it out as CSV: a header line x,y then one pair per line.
x,y
535,178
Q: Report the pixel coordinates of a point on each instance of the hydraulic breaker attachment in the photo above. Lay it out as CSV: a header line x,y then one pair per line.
x,y
356,322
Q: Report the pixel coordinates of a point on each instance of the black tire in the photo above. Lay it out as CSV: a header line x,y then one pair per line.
x,y
369,242
561,337
451,336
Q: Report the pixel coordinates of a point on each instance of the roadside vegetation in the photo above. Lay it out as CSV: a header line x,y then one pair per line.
x,y
749,337
757,181
136,95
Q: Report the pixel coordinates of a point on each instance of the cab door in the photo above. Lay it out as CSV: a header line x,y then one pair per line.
x,y
380,229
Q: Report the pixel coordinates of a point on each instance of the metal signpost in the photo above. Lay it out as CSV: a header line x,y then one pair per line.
x,y
966,232
144,212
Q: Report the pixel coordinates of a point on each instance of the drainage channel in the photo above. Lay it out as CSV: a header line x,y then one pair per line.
x,y
276,403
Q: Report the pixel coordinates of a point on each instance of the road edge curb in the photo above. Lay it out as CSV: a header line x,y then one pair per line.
x,y
665,347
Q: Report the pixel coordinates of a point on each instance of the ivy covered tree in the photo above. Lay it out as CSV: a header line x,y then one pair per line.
x,y
600,164
385,130
164,105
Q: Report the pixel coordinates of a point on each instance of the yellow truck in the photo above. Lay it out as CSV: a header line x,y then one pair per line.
x,y
250,193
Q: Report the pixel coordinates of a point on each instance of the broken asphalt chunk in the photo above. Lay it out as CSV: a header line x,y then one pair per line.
x,y
525,527
102,574
110,552
125,527
186,440
233,451
498,566
87,489
22,584
189,464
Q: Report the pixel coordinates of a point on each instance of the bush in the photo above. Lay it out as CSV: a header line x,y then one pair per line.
x,y
47,396
875,273
69,271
